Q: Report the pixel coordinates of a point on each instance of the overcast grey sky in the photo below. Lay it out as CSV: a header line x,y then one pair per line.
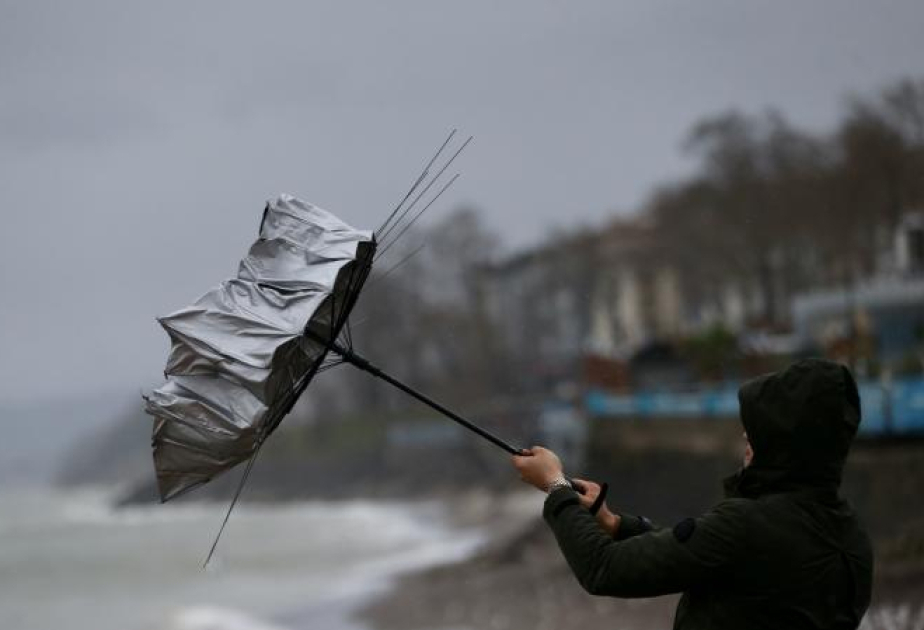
x,y
138,140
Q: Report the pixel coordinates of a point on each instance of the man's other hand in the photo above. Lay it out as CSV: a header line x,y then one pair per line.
x,y
538,467
608,521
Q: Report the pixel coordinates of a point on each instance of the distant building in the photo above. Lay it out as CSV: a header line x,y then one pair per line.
x,y
886,309
890,311
612,300
637,298
592,294
539,303
909,245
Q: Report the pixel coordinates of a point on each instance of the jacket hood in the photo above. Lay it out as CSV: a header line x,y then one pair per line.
x,y
800,422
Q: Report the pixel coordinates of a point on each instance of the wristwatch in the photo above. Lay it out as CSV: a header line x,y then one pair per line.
x,y
558,482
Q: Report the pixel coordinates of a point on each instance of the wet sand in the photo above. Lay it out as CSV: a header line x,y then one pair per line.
x,y
517,580
520,580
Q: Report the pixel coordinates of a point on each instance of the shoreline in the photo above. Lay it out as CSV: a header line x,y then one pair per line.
x,y
476,518
518,579
143,564
515,581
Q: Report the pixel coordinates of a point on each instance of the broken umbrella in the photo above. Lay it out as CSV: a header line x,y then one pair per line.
x,y
244,352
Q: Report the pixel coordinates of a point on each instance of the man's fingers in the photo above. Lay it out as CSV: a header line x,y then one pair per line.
x,y
585,500
588,491
587,486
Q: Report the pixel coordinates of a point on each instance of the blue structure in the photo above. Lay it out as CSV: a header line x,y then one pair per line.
x,y
896,409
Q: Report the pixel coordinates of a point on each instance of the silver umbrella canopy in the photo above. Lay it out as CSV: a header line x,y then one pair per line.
x,y
246,350
243,352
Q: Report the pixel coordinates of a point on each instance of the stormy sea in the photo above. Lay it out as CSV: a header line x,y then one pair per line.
x,y
71,560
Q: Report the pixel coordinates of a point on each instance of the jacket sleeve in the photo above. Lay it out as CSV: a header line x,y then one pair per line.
x,y
631,525
648,564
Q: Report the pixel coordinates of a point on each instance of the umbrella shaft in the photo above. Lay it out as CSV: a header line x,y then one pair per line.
x,y
362,363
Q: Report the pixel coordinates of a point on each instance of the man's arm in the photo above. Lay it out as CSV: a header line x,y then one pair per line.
x,y
651,563
618,525
631,525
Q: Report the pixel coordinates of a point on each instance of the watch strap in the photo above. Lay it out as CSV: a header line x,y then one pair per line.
x,y
558,482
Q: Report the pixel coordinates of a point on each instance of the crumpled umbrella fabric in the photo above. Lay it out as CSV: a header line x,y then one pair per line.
x,y
240,356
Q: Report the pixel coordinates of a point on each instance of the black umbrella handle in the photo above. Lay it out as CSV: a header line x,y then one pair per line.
x,y
364,364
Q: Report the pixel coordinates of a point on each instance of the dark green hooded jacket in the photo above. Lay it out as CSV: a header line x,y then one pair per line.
x,y
783,551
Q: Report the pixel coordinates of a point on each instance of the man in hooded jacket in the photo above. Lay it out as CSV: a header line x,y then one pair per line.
x,y
782,551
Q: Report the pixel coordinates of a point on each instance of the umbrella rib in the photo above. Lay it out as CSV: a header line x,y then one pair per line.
x,y
361,280
346,334
423,192
418,215
379,278
237,495
426,188
423,176
364,319
359,273
349,292
330,365
333,312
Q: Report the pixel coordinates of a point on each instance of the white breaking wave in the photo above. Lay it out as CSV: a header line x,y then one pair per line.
x,y
901,616
213,618
70,560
